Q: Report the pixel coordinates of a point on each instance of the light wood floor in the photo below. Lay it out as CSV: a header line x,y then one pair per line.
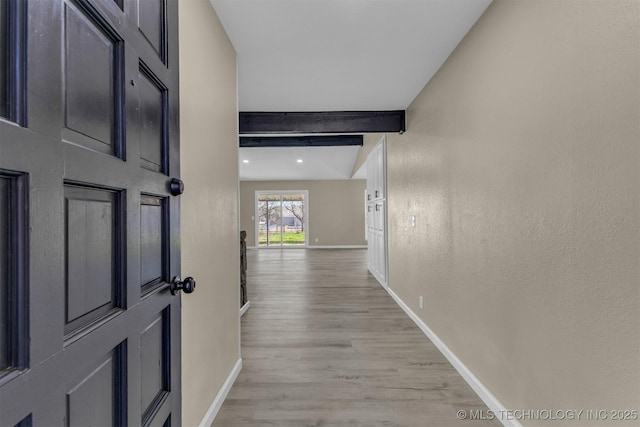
x,y
324,345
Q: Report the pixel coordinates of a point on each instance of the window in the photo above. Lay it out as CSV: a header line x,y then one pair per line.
x,y
281,218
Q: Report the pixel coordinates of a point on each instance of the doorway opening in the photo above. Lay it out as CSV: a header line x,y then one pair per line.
x,y
282,219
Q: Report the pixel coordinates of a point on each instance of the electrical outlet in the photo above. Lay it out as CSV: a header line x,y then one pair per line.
x,y
316,240
421,303
413,220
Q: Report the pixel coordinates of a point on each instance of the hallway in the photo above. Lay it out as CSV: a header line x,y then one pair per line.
x,y
324,345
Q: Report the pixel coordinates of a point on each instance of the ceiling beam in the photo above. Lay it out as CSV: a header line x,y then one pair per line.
x,y
300,141
321,122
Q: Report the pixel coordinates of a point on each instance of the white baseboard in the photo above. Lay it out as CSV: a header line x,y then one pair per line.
x,y
483,392
312,247
210,416
244,308
277,248
338,247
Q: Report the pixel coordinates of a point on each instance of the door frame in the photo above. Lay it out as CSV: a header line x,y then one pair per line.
x,y
257,218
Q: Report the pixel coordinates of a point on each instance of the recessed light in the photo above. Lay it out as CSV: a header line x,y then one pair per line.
x,y
299,160
245,161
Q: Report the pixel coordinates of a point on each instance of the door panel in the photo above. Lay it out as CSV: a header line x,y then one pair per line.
x,y
13,286
89,234
155,343
153,117
94,278
5,209
91,401
26,422
93,87
99,397
152,360
3,60
154,244
152,24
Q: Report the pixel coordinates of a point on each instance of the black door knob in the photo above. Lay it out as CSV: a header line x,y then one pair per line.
x,y
187,285
176,187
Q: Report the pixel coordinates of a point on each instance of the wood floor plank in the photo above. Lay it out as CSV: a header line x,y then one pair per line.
x,y
324,345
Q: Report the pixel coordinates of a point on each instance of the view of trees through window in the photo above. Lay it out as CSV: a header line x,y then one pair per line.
x,y
281,219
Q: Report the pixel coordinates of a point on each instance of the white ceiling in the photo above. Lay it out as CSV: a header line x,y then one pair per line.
x,y
281,163
340,55
335,55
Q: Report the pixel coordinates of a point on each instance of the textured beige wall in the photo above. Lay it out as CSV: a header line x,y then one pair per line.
x,y
336,209
522,165
209,210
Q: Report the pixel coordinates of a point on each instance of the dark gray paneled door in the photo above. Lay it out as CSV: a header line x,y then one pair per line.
x,y
89,231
